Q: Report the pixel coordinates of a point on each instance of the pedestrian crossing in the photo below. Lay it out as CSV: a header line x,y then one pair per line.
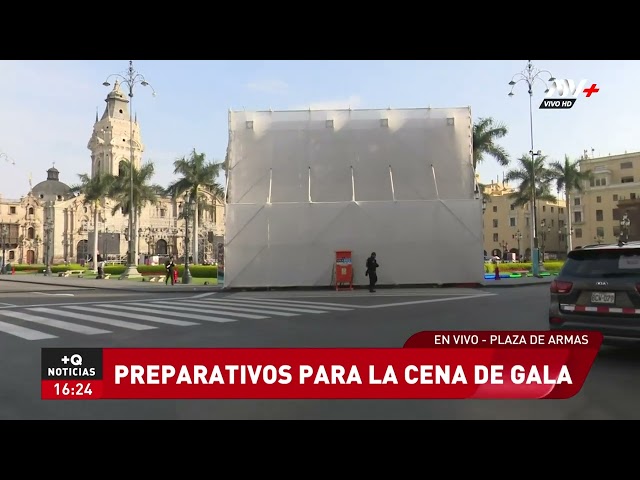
x,y
36,323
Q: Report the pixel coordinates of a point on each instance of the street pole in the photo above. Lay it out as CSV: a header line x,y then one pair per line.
x,y
186,274
4,248
529,75
130,79
48,227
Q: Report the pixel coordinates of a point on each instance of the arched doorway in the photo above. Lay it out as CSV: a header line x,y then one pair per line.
x,y
31,257
496,253
161,247
82,250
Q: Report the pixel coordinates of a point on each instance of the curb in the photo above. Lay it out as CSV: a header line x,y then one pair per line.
x,y
379,287
189,289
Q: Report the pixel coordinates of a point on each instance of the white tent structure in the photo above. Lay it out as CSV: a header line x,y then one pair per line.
x,y
302,185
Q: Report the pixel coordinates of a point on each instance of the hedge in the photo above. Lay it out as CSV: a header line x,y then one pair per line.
x,y
553,266
197,271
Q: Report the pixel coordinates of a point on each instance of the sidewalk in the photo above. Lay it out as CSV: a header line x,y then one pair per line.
x,y
120,285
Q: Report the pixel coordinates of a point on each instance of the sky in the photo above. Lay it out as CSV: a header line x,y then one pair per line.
x,y
48,108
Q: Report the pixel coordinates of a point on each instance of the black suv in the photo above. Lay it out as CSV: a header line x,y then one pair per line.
x,y
598,288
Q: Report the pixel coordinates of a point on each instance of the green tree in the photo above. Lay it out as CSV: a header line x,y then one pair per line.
x,y
486,133
569,179
95,191
144,192
527,174
524,174
196,176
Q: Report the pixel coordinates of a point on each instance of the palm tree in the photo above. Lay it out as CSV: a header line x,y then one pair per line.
x,y
94,190
528,171
196,175
523,175
569,178
143,192
486,132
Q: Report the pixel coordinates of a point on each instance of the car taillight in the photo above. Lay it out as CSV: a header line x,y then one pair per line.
x,y
558,286
638,287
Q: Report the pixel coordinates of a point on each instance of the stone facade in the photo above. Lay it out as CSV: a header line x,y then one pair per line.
x,y
51,221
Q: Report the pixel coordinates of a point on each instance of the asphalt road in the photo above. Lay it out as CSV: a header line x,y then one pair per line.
x,y
326,319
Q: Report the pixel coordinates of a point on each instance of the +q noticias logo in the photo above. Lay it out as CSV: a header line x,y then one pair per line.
x,y
563,94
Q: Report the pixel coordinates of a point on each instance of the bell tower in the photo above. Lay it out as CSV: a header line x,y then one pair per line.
x,y
111,140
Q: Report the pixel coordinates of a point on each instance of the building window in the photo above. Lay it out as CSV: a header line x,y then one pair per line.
x,y
512,221
576,201
599,216
12,210
526,221
560,223
31,233
632,196
577,217
561,210
551,209
495,209
626,180
544,208
495,223
600,232
12,255
513,207
615,214
626,165
163,212
598,199
30,210
615,198
495,237
578,232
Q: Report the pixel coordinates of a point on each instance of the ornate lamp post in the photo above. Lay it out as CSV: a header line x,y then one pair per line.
x,y
529,76
186,213
4,233
48,232
130,79
518,237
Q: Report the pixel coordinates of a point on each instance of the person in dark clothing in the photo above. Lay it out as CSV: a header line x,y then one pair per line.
x,y
372,265
170,267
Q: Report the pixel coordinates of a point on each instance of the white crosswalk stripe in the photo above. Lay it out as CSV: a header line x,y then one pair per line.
x,y
267,308
154,315
223,309
150,315
71,327
89,318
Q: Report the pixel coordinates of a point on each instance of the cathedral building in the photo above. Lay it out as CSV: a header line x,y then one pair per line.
x,y
51,221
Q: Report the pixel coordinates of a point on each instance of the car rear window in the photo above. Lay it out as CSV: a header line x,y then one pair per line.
x,y
620,262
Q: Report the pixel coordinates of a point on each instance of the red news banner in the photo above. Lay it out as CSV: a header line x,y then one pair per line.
x,y
432,365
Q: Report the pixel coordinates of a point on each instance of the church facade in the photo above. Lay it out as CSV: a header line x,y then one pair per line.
x,y
52,222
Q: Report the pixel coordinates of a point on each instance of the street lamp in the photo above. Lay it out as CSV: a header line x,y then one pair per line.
x,y
5,233
130,79
625,225
505,248
48,231
186,212
544,234
529,76
518,237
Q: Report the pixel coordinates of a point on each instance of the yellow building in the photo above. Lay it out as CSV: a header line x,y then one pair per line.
x,y
613,190
507,228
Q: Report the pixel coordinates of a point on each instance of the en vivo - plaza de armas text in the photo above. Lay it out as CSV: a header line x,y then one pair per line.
x,y
53,224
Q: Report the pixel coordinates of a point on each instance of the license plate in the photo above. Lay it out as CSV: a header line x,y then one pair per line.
x,y
603,297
